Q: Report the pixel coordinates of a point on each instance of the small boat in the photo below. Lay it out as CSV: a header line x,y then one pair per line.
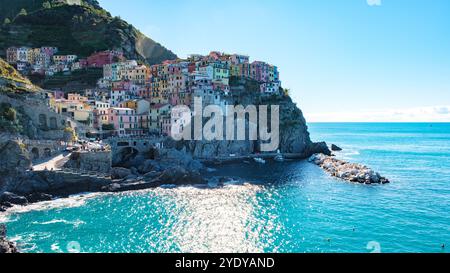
x,y
279,158
259,160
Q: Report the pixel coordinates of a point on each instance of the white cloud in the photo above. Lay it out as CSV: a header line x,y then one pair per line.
x,y
417,114
374,2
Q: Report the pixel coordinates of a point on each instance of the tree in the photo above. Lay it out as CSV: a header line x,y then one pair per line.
x,y
10,114
7,21
46,5
23,12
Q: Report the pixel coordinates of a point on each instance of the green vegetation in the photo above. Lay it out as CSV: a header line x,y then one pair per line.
x,y
10,119
12,81
87,77
8,72
75,29
10,8
23,12
47,5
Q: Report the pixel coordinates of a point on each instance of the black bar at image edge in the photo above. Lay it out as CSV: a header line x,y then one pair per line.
x,y
229,262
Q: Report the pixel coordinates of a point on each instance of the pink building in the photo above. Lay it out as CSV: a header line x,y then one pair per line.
x,y
122,85
83,63
215,55
259,71
125,121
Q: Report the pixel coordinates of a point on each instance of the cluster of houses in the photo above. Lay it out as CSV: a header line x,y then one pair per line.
x,y
46,60
134,99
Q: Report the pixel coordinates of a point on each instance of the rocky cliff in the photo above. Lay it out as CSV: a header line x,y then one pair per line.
x,y
13,158
5,245
294,135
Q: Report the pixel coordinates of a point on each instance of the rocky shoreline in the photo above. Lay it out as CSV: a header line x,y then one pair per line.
x,y
171,167
5,245
353,172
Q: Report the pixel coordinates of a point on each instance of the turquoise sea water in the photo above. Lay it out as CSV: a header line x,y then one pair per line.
x,y
289,207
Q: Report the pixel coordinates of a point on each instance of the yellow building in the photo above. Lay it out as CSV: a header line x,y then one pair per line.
x,y
77,110
128,104
235,71
76,98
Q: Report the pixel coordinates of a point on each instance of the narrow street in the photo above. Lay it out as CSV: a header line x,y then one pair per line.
x,y
53,163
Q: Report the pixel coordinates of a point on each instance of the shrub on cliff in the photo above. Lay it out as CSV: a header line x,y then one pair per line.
x,y
9,121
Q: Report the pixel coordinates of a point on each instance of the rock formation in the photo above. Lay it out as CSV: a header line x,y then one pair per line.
x,y
13,158
5,245
348,171
294,135
335,148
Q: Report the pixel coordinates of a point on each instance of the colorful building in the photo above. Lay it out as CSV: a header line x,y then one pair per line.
x,y
11,55
100,59
124,121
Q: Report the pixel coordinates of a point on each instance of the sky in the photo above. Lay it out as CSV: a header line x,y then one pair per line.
x,y
343,60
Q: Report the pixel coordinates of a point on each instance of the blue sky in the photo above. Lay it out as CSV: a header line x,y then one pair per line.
x,y
344,60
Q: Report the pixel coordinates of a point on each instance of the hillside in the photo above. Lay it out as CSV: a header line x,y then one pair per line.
x,y
74,26
11,80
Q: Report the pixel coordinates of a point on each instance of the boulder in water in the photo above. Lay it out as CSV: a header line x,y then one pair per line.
x,y
348,171
335,148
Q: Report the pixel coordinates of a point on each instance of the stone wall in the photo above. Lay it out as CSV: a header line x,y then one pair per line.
x,y
90,161
50,125
133,147
39,149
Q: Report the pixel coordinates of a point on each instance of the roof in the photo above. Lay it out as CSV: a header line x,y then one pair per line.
x,y
159,106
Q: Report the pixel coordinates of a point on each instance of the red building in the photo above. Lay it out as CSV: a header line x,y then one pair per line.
x,y
192,67
83,63
100,59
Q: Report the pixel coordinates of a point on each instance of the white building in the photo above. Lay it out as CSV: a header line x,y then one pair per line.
x,y
118,96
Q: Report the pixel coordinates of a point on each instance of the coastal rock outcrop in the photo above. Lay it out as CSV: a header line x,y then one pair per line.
x,y
11,198
120,173
13,158
293,132
335,148
348,171
168,158
5,245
